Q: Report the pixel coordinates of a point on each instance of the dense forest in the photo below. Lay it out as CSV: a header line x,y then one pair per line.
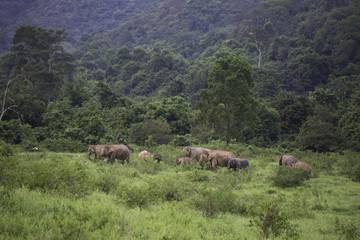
x,y
266,73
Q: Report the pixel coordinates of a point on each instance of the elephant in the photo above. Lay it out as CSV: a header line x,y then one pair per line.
x,y
287,160
183,160
118,151
302,165
238,163
217,158
195,153
157,157
96,149
144,155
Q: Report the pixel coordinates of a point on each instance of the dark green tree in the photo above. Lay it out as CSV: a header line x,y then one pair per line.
x,y
320,132
41,58
227,104
176,111
293,112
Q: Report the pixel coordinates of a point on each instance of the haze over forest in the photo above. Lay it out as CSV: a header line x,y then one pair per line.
x,y
80,72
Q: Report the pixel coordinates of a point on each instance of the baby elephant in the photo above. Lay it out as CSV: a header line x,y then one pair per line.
x,y
183,160
158,158
238,163
302,165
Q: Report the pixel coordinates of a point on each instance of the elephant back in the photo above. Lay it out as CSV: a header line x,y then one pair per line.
x,y
183,160
221,157
194,152
302,165
287,160
144,155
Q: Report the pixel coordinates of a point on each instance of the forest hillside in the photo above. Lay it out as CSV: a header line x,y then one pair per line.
x,y
277,72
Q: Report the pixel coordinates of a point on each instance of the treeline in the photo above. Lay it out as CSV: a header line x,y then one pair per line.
x,y
140,83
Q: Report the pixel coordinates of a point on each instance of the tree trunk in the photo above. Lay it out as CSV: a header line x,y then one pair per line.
x,y
258,47
3,110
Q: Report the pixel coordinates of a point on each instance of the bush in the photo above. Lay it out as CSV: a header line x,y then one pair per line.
x,y
349,165
150,191
183,140
289,177
272,221
62,175
8,165
6,150
63,145
349,229
214,200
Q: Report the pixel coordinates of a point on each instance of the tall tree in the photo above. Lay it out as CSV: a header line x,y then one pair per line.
x,y
227,103
41,57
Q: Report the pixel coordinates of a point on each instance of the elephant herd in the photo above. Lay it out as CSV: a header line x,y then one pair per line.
x,y
111,152
216,158
291,161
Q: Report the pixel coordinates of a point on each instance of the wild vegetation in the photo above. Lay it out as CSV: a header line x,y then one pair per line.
x,y
151,77
257,78
57,195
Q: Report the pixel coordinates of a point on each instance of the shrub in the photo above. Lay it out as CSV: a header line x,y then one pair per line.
x,y
8,165
349,229
183,140
63,145
349,165
57,174
214,200
272,221
151,190
289,177
6,150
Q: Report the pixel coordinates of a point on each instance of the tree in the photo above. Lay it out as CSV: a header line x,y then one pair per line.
x,y
227,103
293,111
41,57
4,106
320,132
176,111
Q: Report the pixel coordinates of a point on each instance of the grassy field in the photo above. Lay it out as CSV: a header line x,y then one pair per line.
x,y
46,195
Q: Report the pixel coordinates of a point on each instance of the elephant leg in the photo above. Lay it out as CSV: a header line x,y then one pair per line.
x,y
213,165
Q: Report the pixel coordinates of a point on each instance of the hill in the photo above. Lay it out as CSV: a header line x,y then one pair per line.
x,y
77,17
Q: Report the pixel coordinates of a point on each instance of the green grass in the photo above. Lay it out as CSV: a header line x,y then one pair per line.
x,y
47,195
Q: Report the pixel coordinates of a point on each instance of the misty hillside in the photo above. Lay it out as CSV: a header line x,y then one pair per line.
x,y
151,65
77,17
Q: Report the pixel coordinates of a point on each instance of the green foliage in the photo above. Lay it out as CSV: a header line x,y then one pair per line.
x,y
227,103
59,174
63,195
273,222
6,150
320,133
63,145
347,229
156,130
293,111
171,51
10,131
289,177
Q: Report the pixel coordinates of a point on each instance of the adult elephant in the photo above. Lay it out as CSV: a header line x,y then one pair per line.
x,y
194,152
183,160
216,158
238,163
118,151
304,166
143,155
95,149
287,160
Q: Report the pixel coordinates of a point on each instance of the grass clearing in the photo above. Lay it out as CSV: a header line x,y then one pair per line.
x,y
47,195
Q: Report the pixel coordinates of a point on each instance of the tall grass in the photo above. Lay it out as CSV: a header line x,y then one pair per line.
x,y
47,195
